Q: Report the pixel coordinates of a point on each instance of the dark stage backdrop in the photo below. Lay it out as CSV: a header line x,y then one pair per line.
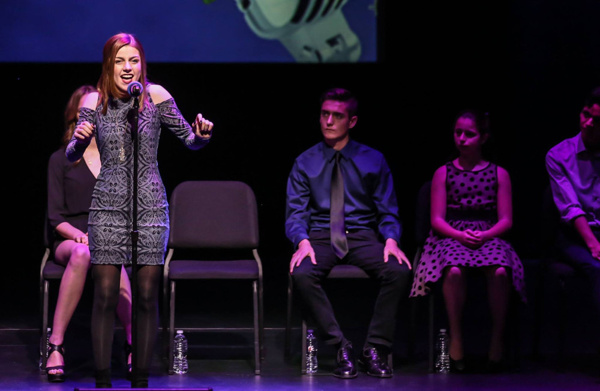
x,y
528,65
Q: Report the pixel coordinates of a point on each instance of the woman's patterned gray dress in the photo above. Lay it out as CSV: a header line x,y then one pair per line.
x,y
472,199
110,219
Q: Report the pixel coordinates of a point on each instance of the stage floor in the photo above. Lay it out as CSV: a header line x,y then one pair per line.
x,y
223,361
231,369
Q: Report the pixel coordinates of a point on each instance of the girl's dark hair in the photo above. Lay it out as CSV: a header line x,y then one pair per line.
x,y
481,120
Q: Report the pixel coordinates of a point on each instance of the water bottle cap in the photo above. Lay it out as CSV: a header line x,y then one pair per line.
x,y
179,331
443,330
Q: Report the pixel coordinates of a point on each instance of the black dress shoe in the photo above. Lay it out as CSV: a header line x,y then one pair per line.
x,y
494,366
457,366
375,364
346,366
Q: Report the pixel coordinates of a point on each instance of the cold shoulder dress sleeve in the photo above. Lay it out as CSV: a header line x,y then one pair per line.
x,y
110,219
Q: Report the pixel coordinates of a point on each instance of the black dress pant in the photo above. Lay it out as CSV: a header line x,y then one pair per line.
x,y
576,253
366,252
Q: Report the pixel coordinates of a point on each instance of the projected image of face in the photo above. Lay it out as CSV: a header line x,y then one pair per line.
x,y
127,67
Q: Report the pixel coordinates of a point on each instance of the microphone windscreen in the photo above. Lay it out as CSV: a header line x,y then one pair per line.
x,y
135,88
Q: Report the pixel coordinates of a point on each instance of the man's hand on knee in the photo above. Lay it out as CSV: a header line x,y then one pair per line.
x,y
304,250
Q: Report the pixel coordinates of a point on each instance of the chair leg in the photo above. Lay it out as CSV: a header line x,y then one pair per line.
x,y
257,343
562,323
303,336
165,324
513,336
44,327
540,283
288,320
431,331
412,337
171,329
261,320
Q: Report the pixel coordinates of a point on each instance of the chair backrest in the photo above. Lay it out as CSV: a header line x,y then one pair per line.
x,y
49,270
48,238
550,222
213,214
423,213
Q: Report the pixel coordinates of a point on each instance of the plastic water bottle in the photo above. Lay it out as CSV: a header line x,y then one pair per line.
x,y
180,350
442,363
311,353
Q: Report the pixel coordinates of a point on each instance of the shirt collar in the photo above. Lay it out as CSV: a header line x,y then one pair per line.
x,y
347,152
580,149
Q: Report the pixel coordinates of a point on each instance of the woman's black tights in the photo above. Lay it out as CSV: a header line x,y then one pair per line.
x,y
106,296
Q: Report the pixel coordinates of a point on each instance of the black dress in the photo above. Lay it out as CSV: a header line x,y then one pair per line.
x,y
471,204
110,219
70,187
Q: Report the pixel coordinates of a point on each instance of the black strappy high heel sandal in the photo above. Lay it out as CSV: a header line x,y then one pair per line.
x,y
56,377
128,350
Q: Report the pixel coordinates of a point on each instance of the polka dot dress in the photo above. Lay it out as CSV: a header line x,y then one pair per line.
x,y
471,204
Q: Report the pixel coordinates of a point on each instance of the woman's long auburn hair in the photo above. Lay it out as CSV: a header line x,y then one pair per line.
x,y
72,109
106,84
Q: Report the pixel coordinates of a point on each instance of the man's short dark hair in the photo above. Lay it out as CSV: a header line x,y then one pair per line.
x,y
593,98
342,95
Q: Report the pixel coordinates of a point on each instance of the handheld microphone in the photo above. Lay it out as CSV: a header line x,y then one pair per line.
x,y
135,89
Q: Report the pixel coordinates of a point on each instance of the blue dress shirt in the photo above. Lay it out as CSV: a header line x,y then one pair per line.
x,y
370,198
575,180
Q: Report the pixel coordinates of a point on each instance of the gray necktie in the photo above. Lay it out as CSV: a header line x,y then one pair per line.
x,y
336,213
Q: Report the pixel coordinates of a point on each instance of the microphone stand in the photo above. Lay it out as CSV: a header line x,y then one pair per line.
x,y
134,238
